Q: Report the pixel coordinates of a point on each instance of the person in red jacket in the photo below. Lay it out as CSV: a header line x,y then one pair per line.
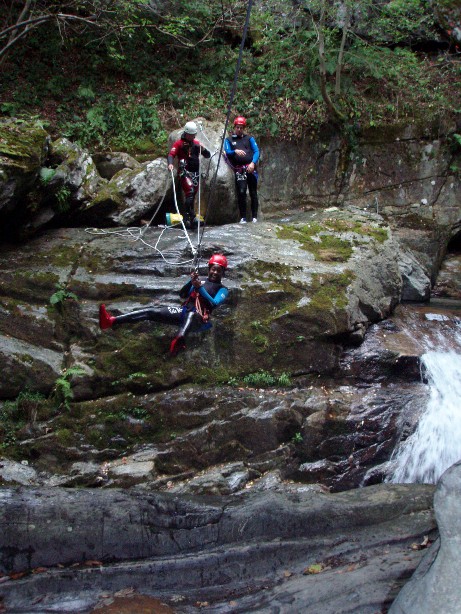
x,y
200,298
188,149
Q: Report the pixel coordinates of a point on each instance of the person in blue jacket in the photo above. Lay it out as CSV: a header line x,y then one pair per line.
x,y
242,154
200,298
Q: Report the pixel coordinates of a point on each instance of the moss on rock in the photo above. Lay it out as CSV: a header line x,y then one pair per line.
x,y
22,145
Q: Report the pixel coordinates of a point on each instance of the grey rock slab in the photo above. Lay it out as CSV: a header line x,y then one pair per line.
x,y
254,550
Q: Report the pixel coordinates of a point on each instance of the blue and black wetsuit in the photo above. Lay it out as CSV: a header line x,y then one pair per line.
x,y
243,178
192,316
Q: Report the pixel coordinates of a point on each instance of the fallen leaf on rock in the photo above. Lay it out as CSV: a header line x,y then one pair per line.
x,y
202,604
39,570
313,569
287,574
424,544
93,563
426,541
15,575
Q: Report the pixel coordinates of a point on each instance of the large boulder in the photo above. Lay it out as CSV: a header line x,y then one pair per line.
x,y
299,292
132,195
435,586
23,151
69,181
111,162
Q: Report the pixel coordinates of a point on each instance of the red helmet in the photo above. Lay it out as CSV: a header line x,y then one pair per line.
x,y
218,259
240,121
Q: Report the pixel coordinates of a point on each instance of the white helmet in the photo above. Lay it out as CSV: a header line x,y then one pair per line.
x,y
190,128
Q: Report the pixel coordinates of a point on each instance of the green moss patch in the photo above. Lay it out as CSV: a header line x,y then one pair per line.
x,y
322,240
22,143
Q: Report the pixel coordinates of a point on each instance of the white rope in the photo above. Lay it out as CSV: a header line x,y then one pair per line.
x,y
181,217
137,234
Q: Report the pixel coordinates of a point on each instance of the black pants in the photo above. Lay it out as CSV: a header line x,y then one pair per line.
x,y
243,181
188,321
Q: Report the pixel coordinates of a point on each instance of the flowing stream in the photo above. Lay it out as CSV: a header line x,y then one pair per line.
x,y
436,443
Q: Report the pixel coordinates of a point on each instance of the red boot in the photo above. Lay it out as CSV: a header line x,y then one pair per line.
x,y
177,345
105,319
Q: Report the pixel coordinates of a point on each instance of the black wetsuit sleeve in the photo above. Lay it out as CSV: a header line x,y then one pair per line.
x,y
205,152
185,290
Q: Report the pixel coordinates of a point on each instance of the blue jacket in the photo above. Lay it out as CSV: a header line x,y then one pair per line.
x,y
245,142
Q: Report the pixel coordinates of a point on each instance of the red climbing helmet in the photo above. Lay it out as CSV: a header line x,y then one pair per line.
x,y
240,121
218,259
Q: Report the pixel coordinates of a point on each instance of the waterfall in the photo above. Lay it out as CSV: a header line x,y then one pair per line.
x,y
436,443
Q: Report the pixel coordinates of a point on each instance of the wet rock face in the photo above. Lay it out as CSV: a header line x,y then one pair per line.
x,y
221,441
434,586
289,315
88,542
302,404
287,310
299,381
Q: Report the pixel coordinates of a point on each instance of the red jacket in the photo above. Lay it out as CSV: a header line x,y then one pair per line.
x,y
188,151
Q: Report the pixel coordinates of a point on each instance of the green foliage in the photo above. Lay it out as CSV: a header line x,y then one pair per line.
x,y
119,122
63,199
62,393
61,295
263,379
46,175
402,21
14,415
297,438
9,108
147,72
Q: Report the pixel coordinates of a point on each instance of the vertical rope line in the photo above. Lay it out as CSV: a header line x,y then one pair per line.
x,y
229,109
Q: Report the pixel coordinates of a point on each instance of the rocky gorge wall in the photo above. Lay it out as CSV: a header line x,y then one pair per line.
x,y
345,235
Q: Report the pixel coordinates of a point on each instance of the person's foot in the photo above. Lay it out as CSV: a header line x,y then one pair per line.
x,y
243,220
177,345
105,319
255,219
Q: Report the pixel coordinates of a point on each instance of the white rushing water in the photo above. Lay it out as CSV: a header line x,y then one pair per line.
x,y
436,443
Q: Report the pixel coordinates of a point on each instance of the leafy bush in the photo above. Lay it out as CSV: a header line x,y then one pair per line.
x,y
46,175
118,122
61,294
14,415
104,94
263,379
62,393
62,199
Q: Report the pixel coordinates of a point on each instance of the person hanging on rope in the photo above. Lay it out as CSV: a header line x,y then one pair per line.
x,y
200,298
188,149
242,154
